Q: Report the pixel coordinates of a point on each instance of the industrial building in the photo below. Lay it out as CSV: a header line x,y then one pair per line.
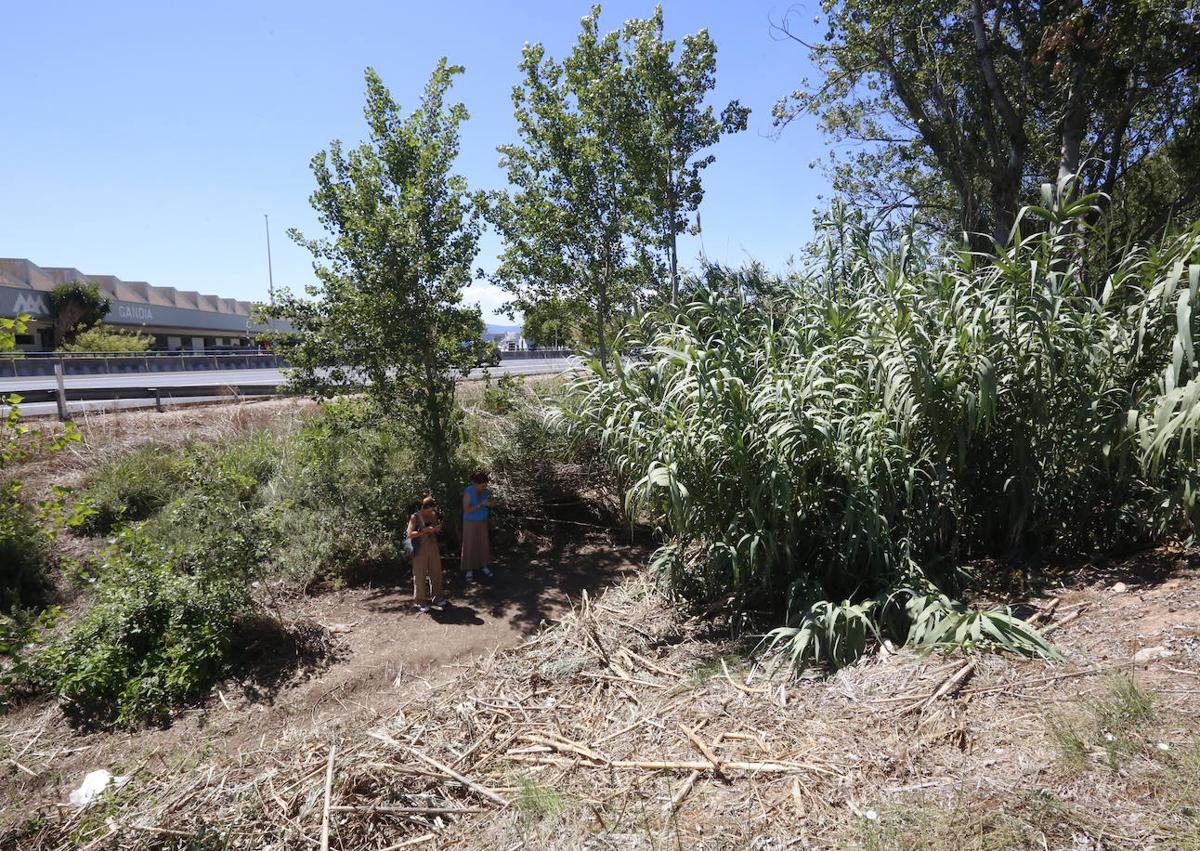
x,y
176,319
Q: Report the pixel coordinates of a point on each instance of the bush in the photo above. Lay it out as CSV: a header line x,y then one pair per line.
x,y
133,487
24,557
345,496
102,339
874,424
162,624
502,396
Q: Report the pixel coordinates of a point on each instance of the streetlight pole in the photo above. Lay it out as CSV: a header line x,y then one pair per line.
x,y
270,272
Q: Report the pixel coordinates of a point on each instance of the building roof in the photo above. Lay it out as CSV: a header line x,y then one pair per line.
x,y
23,274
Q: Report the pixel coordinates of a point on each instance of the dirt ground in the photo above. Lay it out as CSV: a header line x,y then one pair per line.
x,y
380,652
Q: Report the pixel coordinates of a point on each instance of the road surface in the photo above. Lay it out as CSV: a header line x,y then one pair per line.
x,y
201,378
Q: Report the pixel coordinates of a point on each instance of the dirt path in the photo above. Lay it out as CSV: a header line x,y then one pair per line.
x,y
383,651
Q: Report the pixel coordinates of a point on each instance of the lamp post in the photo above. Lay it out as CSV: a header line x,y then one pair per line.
x,y
270,273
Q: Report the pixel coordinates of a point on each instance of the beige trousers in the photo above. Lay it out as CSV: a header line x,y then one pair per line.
x,y
427,570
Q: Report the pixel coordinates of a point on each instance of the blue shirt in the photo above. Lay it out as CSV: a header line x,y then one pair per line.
x,y
474,499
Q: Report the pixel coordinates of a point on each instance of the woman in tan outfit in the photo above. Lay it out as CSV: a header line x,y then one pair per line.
x,y
423,529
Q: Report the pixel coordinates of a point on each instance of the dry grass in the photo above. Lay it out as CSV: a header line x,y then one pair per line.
x,y
109,435
625,726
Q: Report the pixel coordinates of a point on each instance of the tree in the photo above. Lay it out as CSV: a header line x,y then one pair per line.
x,y
960,108
573,224
102,339
386,314
675,124
554,322
75,307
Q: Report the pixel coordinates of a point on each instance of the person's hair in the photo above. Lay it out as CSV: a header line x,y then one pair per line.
x,y
429,502
479,478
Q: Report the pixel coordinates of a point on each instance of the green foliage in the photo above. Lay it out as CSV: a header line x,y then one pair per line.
x,y
555,322
674,125
10,326
957,111
538,801
159,631
25,586
133,487
501,396
24,556
76,307
403,231
871,425
1112,727
345,496
574,225
829,633
104,339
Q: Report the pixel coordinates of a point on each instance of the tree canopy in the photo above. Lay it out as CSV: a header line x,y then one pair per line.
x,y
960,108
75,307
402,230
607,170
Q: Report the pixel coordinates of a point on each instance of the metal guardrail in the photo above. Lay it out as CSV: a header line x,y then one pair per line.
x,y
82,363
40,364
160,395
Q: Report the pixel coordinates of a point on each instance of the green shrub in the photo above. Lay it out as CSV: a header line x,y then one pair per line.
x,y
24,556
501,396
344,497
132,487
887,416
161,626
106,339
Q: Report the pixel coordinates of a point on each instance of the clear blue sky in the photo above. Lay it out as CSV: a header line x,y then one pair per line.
x,y
147,140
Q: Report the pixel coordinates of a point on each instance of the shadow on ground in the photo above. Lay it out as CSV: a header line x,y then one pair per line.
x,y
532,584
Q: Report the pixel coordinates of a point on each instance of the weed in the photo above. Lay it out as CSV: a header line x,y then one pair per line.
x,y
538,801
1070,745
132,487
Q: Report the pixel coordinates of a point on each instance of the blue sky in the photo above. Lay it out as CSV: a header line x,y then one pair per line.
x,y
147,140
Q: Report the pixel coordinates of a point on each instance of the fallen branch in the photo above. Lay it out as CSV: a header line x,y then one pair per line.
x,y
948,687
445,769
328,793
1065,619
682,792
705,751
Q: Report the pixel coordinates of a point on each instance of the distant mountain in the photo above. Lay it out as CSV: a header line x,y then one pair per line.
x,y
503,329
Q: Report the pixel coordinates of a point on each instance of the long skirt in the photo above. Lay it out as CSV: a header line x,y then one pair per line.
x,y
476,551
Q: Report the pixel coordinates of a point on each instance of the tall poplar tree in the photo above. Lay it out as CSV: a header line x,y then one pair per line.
x,y
676,125
402,231
571,225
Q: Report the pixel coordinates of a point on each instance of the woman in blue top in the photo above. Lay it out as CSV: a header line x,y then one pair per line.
x,y
476,551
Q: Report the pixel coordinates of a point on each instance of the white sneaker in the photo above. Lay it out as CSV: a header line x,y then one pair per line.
x,y
423,608
486,571
469,576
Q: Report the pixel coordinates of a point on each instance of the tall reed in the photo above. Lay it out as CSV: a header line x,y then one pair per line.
x,y
870,425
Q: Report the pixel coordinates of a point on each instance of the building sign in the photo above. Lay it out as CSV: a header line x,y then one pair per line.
x,y
14,301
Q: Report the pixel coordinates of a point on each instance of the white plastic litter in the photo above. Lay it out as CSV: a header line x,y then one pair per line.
x,y
95,783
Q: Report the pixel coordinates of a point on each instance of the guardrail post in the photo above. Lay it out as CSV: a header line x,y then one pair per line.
x,y
61,396
157,398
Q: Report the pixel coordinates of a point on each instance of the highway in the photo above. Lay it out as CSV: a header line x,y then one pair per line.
x,y
200,378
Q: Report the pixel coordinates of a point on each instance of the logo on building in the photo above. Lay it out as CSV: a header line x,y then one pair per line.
x,y
134,313
34,304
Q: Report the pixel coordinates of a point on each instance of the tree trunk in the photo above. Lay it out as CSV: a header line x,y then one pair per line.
x,y
601,321
674,255
436,438
1073,126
